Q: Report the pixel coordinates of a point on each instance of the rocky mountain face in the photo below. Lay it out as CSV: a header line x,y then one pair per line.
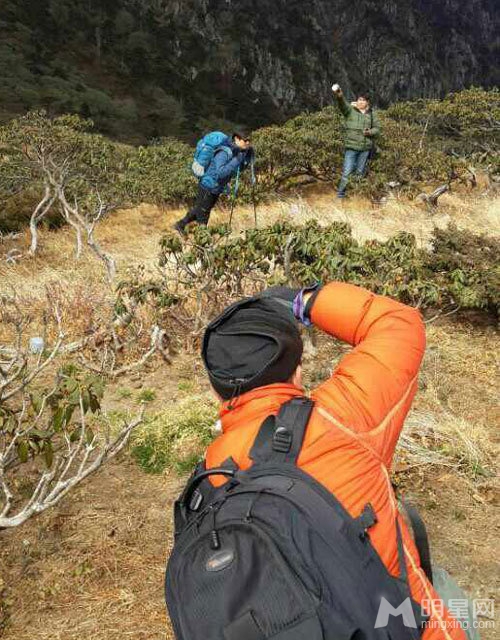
x,y
156,67
289,51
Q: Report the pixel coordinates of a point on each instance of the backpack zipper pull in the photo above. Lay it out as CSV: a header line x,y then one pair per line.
x,y
214,540
251,504
214,534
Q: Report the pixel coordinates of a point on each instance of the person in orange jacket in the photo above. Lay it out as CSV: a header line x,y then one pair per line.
x,y
254,365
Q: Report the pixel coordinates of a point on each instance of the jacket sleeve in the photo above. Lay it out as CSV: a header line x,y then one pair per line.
x,y
375,130
224,168
343,105
371,390
247,158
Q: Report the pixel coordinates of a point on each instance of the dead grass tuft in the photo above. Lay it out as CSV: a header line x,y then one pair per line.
x,y
460,373
455,415
174,440
445,440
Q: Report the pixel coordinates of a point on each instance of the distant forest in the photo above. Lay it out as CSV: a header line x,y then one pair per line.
x,y
145,69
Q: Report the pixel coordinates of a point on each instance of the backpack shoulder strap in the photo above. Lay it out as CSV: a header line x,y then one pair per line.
x,y
421,538
226,150
280,437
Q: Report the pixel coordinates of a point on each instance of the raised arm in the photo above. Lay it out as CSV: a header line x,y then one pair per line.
x,y
371,390
342,104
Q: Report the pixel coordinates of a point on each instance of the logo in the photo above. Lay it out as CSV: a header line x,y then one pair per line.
x,y
386,609
455,613
220,561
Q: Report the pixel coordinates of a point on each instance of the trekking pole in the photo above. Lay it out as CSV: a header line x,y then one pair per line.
x,y
254,206
233,202
235,194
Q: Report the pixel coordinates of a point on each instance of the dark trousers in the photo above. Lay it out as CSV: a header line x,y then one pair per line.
x,y
200,212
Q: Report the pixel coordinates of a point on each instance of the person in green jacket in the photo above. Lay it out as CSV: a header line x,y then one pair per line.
x,y
362,128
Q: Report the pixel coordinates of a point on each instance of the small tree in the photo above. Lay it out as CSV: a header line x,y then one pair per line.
x,y
159,173
74,170
53,433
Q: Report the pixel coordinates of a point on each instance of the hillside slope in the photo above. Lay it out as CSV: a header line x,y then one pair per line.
x,y
155,67
132,236
92,568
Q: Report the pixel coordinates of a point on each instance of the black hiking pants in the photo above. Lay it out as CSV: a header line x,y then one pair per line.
x,y
200,212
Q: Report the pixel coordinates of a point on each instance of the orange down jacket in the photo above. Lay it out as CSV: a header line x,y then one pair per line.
x,y
355,425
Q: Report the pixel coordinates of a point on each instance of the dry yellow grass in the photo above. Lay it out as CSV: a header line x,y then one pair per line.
x,y
131,236
480,215
456,411
461,371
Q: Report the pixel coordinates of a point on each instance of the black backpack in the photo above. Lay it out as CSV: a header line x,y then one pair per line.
x,y
273,554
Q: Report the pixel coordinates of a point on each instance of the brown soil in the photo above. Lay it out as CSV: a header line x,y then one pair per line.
x,y
93,568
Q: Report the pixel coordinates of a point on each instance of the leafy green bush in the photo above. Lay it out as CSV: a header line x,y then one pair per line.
x,y
460,269
311,146
213,268
466,122
39,153
175,439
16,210
146,395
52,416
419,144
469,267
159,173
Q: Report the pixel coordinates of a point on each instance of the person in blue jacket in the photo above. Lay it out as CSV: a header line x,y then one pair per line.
x,y
227,160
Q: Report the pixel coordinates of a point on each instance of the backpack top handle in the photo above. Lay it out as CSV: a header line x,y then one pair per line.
x,y
187,495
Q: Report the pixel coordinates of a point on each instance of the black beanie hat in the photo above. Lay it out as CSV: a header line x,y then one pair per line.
x,y
253,343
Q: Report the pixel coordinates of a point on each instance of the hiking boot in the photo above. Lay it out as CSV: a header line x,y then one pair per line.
x,y
179,228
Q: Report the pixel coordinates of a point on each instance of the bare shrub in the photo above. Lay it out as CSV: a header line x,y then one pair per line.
x,y
53,433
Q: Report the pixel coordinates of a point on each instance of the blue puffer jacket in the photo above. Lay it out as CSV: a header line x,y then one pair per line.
x,y
225,167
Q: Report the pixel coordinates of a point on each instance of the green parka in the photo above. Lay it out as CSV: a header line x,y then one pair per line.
x,y
355,125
